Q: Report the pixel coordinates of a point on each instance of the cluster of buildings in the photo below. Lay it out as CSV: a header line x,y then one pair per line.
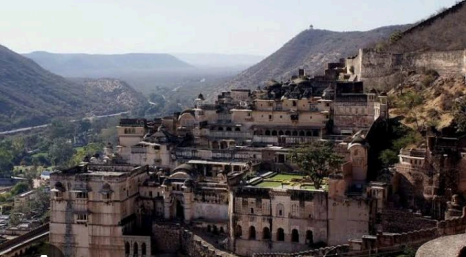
x,y
225,168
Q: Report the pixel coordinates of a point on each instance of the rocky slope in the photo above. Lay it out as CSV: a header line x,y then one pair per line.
x,y
311,50
31,95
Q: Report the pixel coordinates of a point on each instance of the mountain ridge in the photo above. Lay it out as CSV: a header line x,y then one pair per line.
x,y
106,65
31,95
311,49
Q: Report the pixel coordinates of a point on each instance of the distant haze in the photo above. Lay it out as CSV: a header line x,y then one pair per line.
x,y
98,65
220,60
255,27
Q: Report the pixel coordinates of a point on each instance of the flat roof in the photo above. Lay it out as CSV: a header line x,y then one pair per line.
x,y
288,181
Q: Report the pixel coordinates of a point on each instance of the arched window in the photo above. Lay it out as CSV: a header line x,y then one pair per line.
x,y
274,132
308,133
266,233
294,103
220,128
135,248
301,133
295,236
215,230
295,133
222,231
238,231
280,234
214,145
267,132
287,133
280,133
280,210
237,129
209,228
309,237
127,248
143,249
228,129
252,233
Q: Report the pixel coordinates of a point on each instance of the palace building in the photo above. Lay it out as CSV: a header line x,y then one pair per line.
x,y
225,167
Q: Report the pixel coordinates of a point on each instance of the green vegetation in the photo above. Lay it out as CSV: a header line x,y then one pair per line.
x,y
406,104
400,137
33,96
269,184
27,155
317,161
395,36
286,177
37,209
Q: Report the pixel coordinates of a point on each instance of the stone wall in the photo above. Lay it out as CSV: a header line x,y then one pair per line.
x,y
379,68
166,238
374,64
385,242
173,238
194,246
324,251
399,221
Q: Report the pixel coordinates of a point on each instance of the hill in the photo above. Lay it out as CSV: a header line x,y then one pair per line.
x,y
311,50
443,31
31,95
112,65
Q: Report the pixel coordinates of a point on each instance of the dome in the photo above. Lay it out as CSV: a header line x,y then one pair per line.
x,y
188,183
184,167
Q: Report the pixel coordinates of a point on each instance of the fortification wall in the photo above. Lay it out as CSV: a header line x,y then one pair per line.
x,y
324,251
380,68
375,64
166,238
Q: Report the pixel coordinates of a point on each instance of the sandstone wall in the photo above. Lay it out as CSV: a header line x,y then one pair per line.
x,y
378,68
374,64
195,246
166,238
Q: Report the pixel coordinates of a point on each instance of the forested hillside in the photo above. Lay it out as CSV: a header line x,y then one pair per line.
x,y
31,95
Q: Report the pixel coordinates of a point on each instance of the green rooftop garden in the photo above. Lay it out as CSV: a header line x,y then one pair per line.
x,y
289,181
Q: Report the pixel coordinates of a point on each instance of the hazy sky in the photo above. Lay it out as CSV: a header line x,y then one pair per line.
x,y
190,26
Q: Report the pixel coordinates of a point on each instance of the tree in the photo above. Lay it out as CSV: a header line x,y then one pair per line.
x,y
317,160
61,129
407,102
388,157
6,161
60,152
20,188
88,150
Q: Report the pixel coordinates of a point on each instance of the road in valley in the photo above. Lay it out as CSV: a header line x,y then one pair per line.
x,y
13,131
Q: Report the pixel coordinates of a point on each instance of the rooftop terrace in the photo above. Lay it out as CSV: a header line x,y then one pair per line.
x,y
285,181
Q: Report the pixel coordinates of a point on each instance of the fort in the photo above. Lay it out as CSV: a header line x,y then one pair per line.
x,y
219,179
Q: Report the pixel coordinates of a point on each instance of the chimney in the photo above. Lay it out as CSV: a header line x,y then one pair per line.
x,y
301,73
